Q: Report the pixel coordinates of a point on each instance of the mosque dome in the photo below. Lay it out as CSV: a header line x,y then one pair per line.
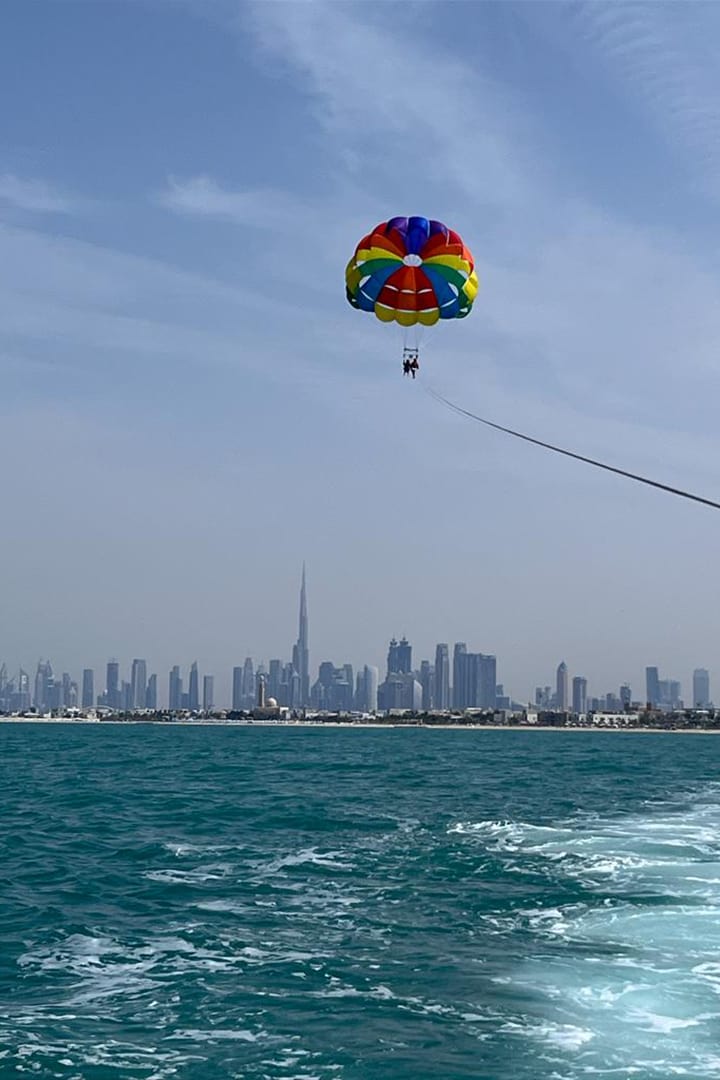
x,y
271,703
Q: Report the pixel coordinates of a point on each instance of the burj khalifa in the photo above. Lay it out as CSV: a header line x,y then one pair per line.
x,y
301,652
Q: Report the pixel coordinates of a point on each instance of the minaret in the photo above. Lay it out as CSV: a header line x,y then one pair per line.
x,y
301,653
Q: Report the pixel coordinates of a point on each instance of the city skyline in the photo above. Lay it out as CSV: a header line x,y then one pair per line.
x,y
469,680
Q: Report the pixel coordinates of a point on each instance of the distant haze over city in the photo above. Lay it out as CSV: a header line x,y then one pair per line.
x,y
189,408
453,677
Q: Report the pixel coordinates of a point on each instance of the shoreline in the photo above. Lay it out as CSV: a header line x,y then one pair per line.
x,y
358,726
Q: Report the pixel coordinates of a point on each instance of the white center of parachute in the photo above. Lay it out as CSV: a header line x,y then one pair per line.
x,y
412,260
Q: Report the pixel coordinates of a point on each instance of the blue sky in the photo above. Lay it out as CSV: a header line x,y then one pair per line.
x,y
189,408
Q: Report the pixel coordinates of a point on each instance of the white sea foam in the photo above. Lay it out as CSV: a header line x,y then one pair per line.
x,y
634,986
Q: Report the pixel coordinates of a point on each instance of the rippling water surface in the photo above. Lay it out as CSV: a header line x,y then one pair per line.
x,y
357,904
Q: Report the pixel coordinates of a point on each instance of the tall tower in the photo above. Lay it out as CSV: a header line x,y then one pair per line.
x,y
459,686
561,688
138,681
301,652
194,687
701,688
442,677
88,688
579,694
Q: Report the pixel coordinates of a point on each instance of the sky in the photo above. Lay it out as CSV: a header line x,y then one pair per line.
x,y
189,408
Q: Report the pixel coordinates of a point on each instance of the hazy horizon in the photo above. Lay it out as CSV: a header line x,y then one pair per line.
x,y
189,408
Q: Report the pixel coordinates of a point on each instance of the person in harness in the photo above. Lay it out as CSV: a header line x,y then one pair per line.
x,y
410,362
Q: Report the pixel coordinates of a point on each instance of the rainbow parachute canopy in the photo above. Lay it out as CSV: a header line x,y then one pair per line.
x,y
412,270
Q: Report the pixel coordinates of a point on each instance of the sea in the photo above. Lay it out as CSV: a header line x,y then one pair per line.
x,y
300,903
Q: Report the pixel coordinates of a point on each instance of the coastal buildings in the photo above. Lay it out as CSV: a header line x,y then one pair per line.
x,y
579,694
652,686
194,688
460,682
88,688
562,701
138,684
701,688
442,677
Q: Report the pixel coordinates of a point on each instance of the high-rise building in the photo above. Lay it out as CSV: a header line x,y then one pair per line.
x,y
301,650
579,694
652,686
442,677
335,689
138,682
625,696
459,686
371,675
126,698
69,692
426,682
399,657
701,688
488,681
479,681
274,678
208,692
21,699
404,656
194,688
237,689
561,688
249,687
175,691
151,698
88,688
112,685
401,690
45,695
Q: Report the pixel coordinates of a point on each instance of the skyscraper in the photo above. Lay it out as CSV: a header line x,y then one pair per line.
x,y
301,650
208,692
237,688
88,688
561,688
151,693
112,685
138,682
249,687
459,686
442,677
44,697
194,687
399,657
701,688
652,686
427,682
175,689
579,694
371,676
479,677
488,681
367,689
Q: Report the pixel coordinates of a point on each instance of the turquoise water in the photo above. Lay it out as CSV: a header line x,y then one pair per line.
x,y
357,904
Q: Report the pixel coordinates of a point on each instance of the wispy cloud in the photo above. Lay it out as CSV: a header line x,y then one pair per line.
x,y
667,54
34,196
385,93
201,196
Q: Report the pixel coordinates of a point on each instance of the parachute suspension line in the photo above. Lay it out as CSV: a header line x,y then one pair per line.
x,y
568,453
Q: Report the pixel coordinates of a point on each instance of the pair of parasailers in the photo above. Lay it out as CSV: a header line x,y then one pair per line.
x,y
410,362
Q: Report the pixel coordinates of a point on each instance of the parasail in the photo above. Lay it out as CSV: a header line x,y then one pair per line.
x,y
412,270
